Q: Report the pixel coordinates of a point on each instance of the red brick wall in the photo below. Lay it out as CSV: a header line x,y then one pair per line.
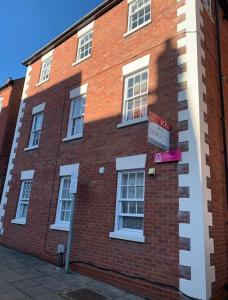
x,y
8,117
216,159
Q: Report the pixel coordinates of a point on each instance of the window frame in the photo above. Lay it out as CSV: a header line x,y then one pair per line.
x,y
125,99
82,116
129,30
33,131
41,80
78,59
59,205
135,235
20,200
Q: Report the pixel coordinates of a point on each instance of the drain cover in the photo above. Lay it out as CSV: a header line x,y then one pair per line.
x,y
84,294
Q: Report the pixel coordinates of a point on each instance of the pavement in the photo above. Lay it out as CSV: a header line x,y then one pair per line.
x,y
25,277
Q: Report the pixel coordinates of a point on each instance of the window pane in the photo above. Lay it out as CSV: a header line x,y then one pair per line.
x,y
124,179
77,108
140,207
132,179
125,207
23,211
130,115
132,207
123,192
140,179
77,126
130,82
131,193
133,223
139,192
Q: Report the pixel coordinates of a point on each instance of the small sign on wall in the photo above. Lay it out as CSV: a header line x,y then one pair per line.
x,y
169,156
159,131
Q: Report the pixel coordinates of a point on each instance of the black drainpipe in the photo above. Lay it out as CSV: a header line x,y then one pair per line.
x,y
222,100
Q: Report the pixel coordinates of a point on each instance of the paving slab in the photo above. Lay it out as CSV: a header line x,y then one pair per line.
x,y
24,277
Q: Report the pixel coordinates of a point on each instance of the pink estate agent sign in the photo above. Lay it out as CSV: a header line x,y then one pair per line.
x,y
169,156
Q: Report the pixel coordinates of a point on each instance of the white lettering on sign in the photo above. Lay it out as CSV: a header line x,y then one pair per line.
x,y
73,183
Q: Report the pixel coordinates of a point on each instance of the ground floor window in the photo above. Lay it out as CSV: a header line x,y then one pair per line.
x,y
23,202
130,198
64,201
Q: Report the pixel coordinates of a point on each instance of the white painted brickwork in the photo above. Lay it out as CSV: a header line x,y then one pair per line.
x,y
198,258
14,149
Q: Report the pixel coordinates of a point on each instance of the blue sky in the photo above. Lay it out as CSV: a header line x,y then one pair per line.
x,y
27,25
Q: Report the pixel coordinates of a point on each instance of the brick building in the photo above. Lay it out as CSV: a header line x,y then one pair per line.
x,y
157,229
10,96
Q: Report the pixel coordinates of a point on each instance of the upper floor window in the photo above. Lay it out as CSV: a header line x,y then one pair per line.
x,y
45,70
36,130
135,96
76,120
85,46
139,14
77,112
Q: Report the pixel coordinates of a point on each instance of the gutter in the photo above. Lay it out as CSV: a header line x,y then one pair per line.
x,y
222,98
91,16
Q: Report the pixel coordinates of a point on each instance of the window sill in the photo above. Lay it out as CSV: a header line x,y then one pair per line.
x,y
132,122
81,60
19,221
70,138
128,236
134,30
41,82
60,227
31,148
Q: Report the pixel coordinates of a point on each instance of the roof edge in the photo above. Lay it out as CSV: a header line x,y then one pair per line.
x,y
9,82
91,16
